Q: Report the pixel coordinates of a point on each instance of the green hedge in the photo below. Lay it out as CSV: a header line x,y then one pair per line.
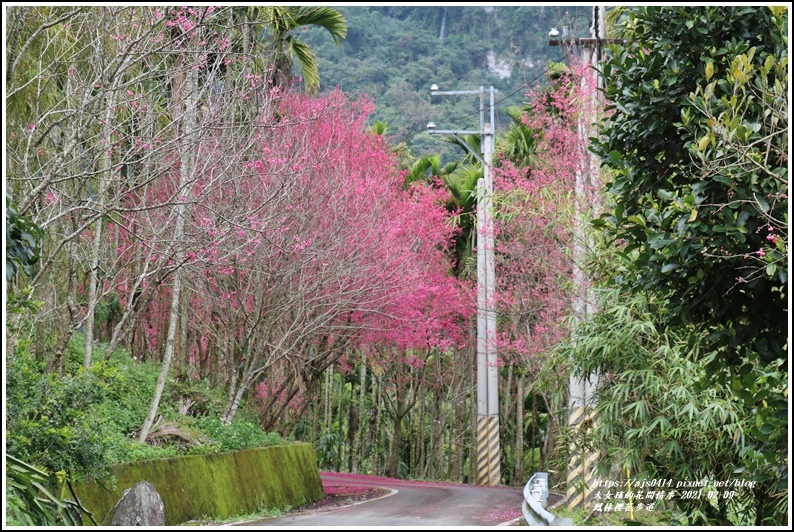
x,y
218,485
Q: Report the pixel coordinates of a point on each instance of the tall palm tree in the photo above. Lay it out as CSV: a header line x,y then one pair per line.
x,y
282,22
462,186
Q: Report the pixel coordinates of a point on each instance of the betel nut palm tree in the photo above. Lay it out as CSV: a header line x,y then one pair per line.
x,y
282,23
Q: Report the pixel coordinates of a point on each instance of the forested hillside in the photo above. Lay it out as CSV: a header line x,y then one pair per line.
x,y
394,53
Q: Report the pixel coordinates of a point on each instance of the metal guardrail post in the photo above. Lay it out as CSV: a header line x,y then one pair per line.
x,y
536,494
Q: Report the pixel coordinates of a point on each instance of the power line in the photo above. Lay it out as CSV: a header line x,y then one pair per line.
x,y
524,86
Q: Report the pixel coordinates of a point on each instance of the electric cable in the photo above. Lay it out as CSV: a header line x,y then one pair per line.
x,y
524,86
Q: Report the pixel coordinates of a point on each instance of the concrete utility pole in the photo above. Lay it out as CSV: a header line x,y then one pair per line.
x,y
488,451
582,466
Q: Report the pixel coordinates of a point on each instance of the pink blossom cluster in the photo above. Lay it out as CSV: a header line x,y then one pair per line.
x,y
535,226
310,243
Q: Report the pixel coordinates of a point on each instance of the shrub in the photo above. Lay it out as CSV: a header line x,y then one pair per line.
x,y
49,418
87,420
238,435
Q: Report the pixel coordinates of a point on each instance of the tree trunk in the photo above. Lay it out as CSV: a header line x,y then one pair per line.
x,y
420,456
100,202
315,417
393,469
186,178
375,435
444,440
169,353
236,398
440,423
352,430
504,425
362,396
128,319
457,469
518,476
329,382
340,445
55,364
534,433
181,354
548,437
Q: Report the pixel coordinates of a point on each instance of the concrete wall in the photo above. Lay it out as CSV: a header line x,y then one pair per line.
x,y
215,486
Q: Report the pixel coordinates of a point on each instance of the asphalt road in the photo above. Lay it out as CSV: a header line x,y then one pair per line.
x,y
411,503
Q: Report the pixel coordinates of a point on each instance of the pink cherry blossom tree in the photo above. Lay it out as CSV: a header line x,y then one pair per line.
x,y
314,247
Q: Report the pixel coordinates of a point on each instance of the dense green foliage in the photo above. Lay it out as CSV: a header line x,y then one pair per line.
x,y
48,417
659,416
697,144
692,338
239,434
79,424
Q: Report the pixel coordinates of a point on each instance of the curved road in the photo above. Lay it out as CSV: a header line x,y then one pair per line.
x,y
412,503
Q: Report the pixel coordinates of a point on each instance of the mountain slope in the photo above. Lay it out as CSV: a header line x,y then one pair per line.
x,y
394,53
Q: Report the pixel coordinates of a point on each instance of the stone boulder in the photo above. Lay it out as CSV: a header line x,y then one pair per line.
x,y
140,505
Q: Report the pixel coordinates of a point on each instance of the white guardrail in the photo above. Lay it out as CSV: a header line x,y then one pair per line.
x,y
536,494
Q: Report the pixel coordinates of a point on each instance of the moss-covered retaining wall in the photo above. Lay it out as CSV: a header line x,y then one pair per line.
x,y
217,485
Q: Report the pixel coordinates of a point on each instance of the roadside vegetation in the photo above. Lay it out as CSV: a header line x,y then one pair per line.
x,y
74,426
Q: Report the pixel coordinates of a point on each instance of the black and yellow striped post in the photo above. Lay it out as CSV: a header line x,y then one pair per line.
x,y
488,455
581,475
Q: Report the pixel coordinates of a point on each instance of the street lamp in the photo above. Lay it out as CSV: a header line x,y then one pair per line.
x,y
488,452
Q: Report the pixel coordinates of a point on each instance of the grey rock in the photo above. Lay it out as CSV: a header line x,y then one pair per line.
x,y
140,505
